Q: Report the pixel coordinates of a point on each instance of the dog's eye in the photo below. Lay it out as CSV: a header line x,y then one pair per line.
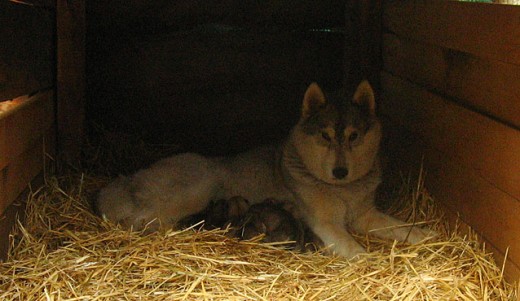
x,y
353,136
325,136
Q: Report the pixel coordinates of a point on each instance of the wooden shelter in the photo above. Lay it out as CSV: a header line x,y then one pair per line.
x,y
222,76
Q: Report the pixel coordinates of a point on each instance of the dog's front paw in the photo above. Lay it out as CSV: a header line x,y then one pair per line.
x,y
349,252
358,250
418,235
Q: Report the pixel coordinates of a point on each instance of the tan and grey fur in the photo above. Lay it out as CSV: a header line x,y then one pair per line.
x,y
328,167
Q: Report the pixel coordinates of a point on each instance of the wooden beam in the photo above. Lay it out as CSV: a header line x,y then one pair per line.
x,y
71,85
362,41
484,30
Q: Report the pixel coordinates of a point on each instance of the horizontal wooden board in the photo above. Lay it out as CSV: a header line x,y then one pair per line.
x,y
21,170
485,30
27,52
486,146
462,192
22,127
488,86
166,16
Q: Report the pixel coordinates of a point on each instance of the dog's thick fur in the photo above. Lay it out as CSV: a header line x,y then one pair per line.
x,y
328,167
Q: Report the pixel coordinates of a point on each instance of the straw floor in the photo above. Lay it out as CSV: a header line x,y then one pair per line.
x,y
63,252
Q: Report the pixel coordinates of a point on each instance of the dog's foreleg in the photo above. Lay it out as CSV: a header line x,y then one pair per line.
x,y
382,225
338,238
325,214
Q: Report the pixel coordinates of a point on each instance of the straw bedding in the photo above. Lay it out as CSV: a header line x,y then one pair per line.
x,y
64,252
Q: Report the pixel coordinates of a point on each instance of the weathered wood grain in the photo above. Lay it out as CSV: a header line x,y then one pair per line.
x,y
21,170
25,125
488,86
488,147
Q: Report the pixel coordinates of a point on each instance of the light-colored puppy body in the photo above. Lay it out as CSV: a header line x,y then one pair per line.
x,y
328,167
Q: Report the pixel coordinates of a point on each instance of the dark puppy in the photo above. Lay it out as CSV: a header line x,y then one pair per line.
x,y
271,219
219,214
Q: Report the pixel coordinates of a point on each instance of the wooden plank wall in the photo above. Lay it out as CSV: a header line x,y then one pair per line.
x,y
26,138
27,74
27,145
450,77
213,76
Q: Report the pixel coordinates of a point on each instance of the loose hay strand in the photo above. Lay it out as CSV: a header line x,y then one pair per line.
x,y
64,252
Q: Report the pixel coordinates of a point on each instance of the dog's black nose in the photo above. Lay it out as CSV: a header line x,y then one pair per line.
x,y
340,172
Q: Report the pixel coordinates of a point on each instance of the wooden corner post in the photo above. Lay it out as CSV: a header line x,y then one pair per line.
x,y
71,84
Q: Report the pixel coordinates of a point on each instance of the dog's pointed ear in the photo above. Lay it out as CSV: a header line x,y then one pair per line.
x,y
364,97
313,100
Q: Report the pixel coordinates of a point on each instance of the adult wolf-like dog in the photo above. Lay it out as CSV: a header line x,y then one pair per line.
x,y
328,167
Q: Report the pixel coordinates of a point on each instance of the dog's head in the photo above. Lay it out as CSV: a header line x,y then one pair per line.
x,y
338,135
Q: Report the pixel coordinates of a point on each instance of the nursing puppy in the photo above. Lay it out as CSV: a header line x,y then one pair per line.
x,y
268,220
328,167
